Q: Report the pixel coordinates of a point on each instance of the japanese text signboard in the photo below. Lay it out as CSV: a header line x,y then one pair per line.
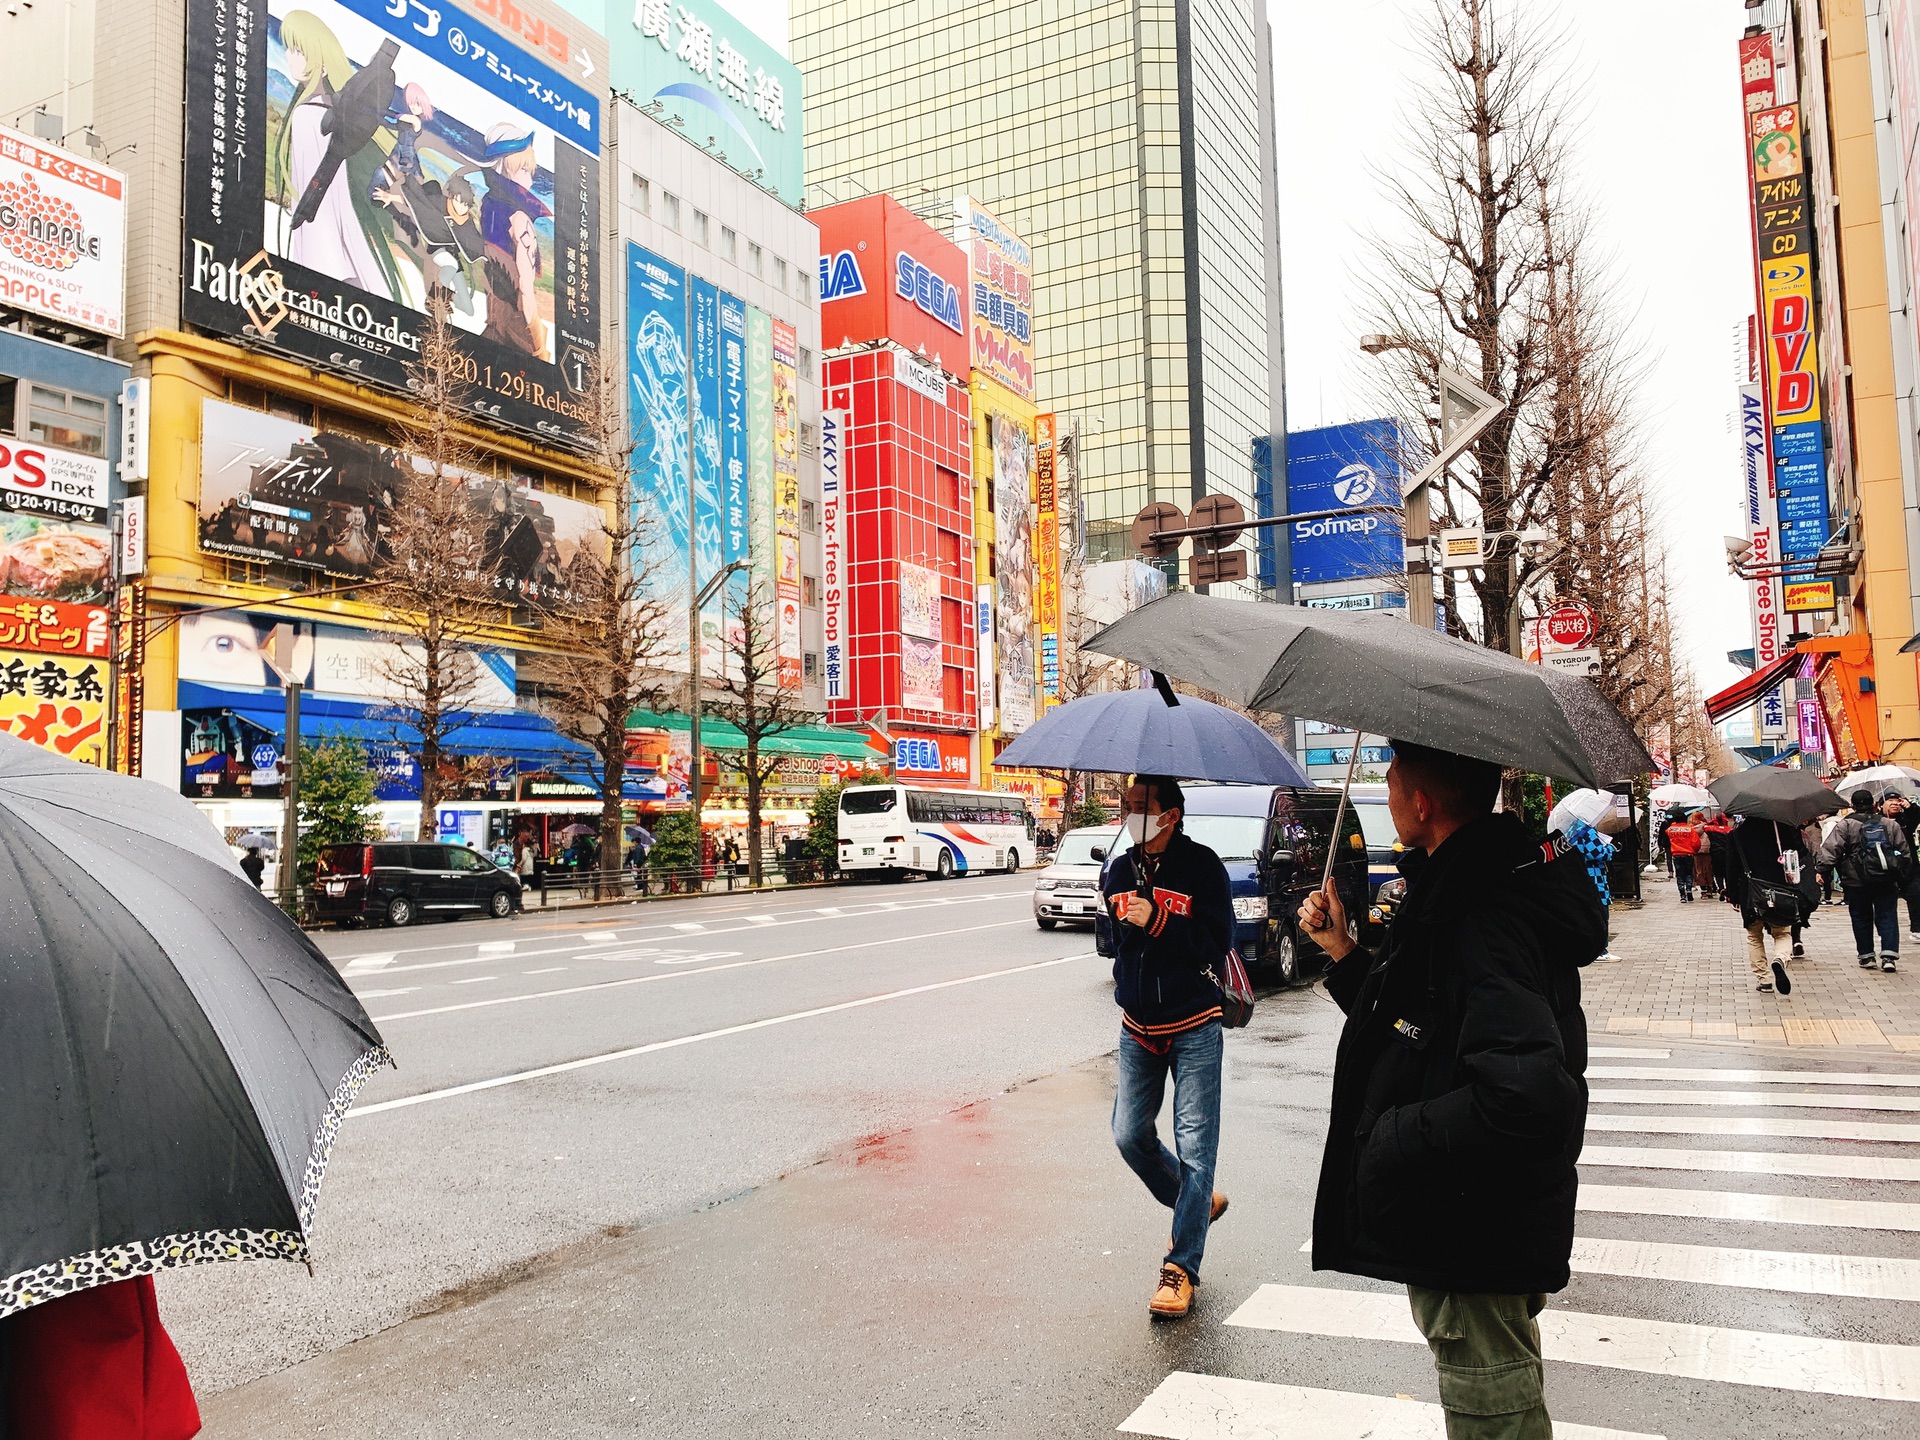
x,y
1046,554
58,702
39,480
345,157
1002,269
833,554
53,628
1763,538
63,234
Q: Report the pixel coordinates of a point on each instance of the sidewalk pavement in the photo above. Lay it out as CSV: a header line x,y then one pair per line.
x,y
1683,973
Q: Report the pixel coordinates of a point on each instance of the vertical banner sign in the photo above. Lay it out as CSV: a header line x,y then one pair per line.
x,y
657,375
760,516
735,538
833,555
983,655
709,540
346,158
1046,556
1002,275
786,496
1763,538
1013,570
1782,199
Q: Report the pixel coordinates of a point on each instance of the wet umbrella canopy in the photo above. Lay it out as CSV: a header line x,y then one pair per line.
x,y
1767,792
1153,732
175,1055
1386,676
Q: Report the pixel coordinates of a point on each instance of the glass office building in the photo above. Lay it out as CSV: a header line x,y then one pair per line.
x,y
1125,140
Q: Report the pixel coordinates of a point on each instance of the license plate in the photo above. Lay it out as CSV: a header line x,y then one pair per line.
x,y
867,850
1078,907
336,887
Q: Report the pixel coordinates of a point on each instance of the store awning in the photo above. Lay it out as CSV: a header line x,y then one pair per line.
x,y
1746,692
529,740
816,741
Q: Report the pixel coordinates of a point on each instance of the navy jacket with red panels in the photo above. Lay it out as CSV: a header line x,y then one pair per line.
x,y
1163,972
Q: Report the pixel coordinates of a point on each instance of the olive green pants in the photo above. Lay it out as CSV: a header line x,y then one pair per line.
x,y
1486,1350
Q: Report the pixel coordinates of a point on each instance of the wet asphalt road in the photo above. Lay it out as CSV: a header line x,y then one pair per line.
x,y
847,1173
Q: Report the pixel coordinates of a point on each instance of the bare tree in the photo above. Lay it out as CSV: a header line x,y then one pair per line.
x,y
756,695
610,624
439,598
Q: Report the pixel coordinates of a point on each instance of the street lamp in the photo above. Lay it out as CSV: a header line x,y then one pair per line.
x,y
700,598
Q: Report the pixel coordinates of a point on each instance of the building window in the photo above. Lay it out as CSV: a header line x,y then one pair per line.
x,y
699,227
642,195
809,517
779,272
753,257
806,362
810,665
729,243
670,210
809,591
808,445
806,282
9,388
67,421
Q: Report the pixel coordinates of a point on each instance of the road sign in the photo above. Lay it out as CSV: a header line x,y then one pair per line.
x,y
1570,626
1147,525
1465,411
1216,567
1217,510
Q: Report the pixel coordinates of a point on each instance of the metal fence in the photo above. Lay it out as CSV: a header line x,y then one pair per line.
x,y
562,887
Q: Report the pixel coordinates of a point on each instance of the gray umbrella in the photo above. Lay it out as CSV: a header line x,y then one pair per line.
x,y
1375,673
175,1055
1768,792
1154,732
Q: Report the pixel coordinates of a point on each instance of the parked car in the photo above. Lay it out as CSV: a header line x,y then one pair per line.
x,y
1383,855
1069,888
1273,841
401,883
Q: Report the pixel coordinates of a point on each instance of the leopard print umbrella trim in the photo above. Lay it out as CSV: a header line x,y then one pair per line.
x,y
357,1075
201,1247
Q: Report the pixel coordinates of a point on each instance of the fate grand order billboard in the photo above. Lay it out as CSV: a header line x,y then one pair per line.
x,y
346,159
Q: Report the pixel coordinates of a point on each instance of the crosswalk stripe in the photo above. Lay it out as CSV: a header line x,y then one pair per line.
x,y
1772,1127
1807,1363
1619,1052
1866,1277
1795,1099
360,964
1186,1406
1767,1209
1751,1077
1752,1162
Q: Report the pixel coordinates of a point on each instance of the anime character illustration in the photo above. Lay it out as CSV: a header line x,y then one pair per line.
x,y
1776,155
508,215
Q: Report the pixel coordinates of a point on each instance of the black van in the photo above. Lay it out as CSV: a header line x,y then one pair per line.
x,y
1273,840
400,883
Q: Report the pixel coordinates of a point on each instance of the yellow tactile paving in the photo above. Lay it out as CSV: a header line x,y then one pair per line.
x,y
1856,1031
1807,1032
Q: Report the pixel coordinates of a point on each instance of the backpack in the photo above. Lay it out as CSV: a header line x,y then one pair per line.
x,y
1878,858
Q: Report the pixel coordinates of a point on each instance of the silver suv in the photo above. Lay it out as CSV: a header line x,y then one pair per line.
x,y
1069,888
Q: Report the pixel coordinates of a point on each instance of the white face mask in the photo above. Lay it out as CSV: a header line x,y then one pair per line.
x,y
1143,828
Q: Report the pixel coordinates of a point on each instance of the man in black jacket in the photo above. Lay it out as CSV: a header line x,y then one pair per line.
x,y
1173,923
1459,1097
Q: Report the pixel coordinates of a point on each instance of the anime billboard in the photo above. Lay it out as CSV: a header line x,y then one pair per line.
x,y
348,159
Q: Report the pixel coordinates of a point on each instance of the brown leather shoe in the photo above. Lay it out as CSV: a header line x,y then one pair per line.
x,y
1219,1209
1173,1297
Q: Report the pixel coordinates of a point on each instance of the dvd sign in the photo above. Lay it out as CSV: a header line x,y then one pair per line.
x,y
36,480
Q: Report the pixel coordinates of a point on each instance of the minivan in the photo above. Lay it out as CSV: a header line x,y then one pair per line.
x,y
401,883
1273,841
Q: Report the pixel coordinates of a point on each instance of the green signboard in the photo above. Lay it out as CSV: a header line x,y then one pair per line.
x,y
699,69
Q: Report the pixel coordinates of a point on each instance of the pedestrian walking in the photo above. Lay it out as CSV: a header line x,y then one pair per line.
x,y
1904,813
1459,1102
1684,839
1873,860
1710,865
1596,851
523,857
1767,865
1814,833
253,865
1173,922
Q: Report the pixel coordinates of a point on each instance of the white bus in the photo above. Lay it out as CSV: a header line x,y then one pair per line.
x,y
892,829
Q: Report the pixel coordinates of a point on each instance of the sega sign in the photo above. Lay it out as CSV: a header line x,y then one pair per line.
x,y
840,276
918,283
1344,467
932,754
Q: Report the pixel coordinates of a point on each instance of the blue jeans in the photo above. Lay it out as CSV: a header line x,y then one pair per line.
x,y
1870,910
1683,874
1184,1185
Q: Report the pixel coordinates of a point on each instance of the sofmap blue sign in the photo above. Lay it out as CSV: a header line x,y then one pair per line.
x,y
1342,467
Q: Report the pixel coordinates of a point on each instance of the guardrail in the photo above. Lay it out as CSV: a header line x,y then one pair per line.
x,y
631,884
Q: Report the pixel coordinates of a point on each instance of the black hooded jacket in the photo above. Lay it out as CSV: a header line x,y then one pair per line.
x,y
1459,1090
1163,972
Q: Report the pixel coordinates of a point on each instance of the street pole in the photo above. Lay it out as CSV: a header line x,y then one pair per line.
x,y
290,800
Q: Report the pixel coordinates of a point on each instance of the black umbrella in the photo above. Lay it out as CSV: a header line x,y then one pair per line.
x,y
1376,673
175,1055
1768,792
1154,732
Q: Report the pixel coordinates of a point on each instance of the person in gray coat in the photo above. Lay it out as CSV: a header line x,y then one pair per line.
x,y
1873,859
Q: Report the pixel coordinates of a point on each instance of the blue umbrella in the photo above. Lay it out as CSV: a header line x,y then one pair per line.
x,y
1154,732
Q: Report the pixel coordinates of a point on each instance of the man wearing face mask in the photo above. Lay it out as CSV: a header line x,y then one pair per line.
x,y
1173,914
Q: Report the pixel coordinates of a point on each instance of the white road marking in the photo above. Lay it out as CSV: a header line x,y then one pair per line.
x,y
360,964
1864,1277
1795,1099
1773,1127
476,979
1615,1052
494,947
828,910
1652,1347
377,994
760,919
1186,1406
1736,1205
550,970
605,937
612,1055
1751,1077
687,927
706,970
1753,1162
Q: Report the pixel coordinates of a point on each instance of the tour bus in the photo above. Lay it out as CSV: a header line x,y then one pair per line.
x,y
893,830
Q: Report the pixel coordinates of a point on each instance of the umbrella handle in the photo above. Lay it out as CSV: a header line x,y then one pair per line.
x,y
1340,815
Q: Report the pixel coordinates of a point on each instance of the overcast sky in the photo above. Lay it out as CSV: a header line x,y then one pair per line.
x,y
1657,155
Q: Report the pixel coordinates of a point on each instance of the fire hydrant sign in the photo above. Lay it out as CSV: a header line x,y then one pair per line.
x,y
1570,627
63,234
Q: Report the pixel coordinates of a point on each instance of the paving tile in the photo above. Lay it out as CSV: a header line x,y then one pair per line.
x,y
1807,1032
1855,1031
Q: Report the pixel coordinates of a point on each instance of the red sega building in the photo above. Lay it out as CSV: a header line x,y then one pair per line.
x,y
898,536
